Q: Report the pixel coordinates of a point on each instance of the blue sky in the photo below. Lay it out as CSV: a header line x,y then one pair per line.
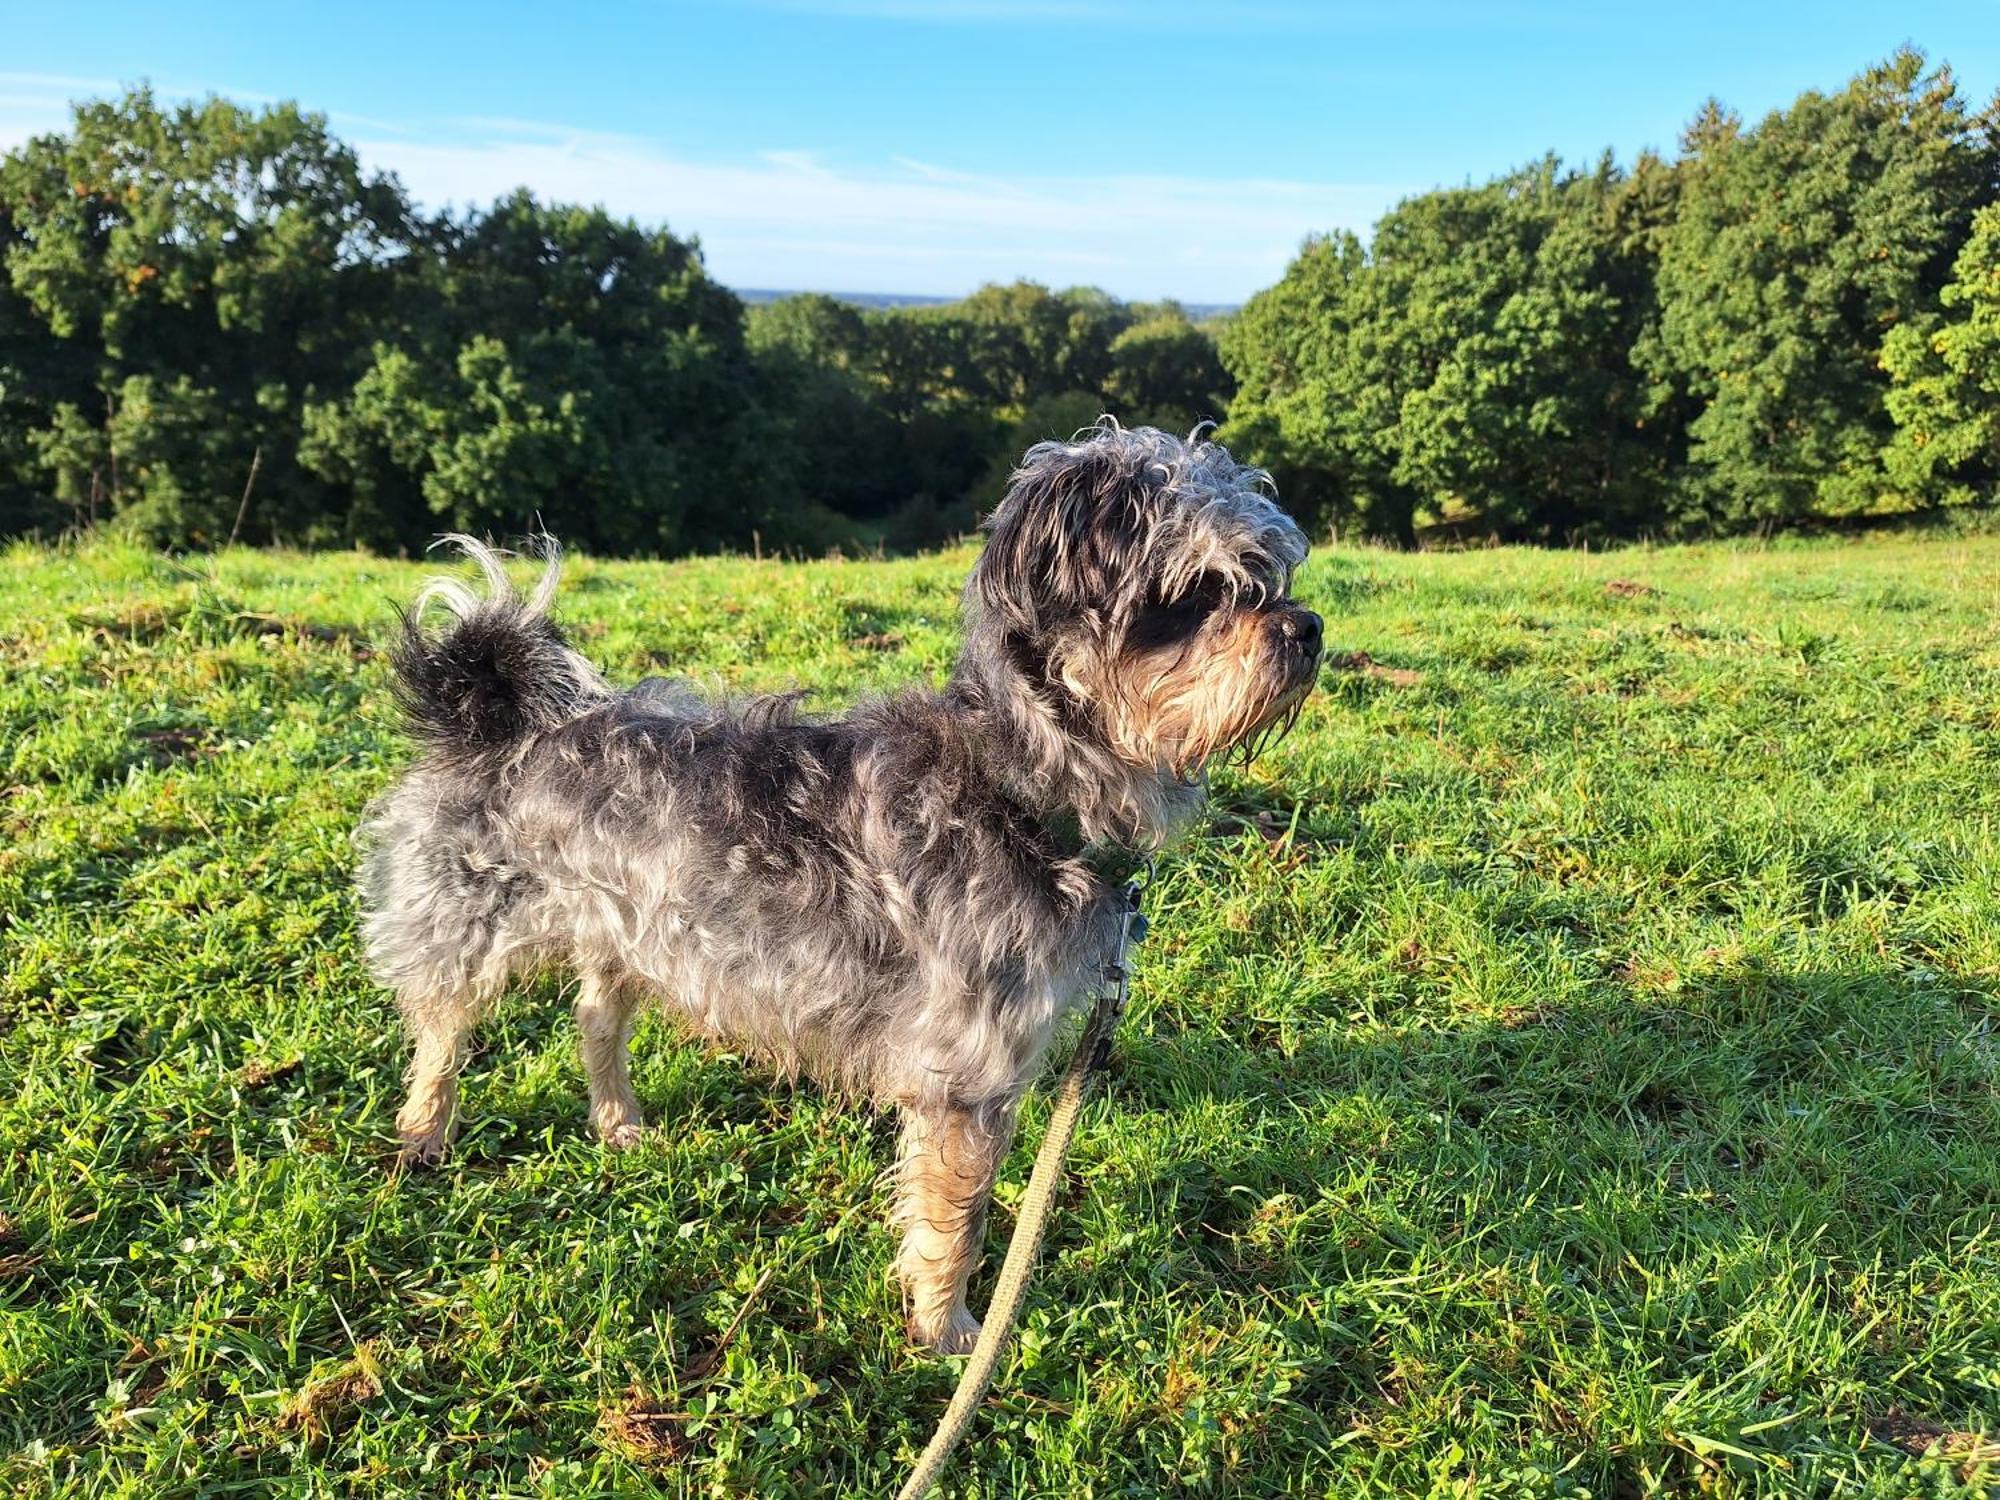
x,y
1154,149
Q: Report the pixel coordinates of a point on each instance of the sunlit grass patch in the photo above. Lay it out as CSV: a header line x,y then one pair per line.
x,y
1567,1065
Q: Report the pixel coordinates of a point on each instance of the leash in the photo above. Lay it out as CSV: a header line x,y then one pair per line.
x,y
1010,1288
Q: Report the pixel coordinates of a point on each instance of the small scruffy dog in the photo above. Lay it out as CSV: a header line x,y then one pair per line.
x,y
902,903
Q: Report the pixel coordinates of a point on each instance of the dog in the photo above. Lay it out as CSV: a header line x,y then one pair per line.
x,y
901,903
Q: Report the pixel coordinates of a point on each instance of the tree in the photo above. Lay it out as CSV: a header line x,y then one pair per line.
x,y
211,265
1021,341
1525,298
1315,404
1473,365
558,366
1944,372
1795,248
1166,371
841,444
44,381
204,305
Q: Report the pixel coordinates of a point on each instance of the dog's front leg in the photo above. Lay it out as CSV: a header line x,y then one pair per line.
x,y
944,1176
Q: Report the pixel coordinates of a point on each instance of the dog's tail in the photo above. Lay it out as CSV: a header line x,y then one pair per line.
x,y
500,670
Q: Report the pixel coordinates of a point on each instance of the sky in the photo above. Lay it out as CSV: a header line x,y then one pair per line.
x,y
1154,149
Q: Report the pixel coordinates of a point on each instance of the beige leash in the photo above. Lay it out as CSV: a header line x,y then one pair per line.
x,y
1093,1051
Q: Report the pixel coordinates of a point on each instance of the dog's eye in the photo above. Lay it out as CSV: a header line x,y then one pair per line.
x,y
1208,594
1197,603
1167,622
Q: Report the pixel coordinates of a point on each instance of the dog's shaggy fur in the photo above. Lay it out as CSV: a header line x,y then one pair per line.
x,y
899,902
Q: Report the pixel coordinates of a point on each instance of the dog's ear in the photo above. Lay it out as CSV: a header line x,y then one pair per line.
x,y
1064,536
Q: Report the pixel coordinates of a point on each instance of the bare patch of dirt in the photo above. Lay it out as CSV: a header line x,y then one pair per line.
x,y
1514,1017
1367,666
168,745
147,622
143,622
1918,1436
643,1429
324,1407
261,1071
191,1153
12,1266
304,630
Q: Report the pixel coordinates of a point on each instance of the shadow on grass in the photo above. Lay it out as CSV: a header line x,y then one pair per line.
x,y
1758,1141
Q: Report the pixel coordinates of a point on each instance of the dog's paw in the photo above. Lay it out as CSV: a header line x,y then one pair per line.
x,y
423,1148
425,1125
621,1136
956,1334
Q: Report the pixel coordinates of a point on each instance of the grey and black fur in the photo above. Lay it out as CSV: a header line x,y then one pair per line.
x,y
896,902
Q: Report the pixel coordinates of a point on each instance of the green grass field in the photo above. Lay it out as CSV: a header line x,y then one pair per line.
x,y
1566,1066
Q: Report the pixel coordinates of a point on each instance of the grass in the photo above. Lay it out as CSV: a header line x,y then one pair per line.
x,y
1567,1066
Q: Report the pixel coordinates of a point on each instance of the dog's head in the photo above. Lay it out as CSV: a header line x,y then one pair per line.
x,y
1142,583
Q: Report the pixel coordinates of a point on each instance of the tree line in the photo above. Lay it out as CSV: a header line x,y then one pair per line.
x,y
215,323
1796,322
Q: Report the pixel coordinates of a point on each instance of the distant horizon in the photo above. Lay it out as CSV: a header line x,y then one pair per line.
x,y
760,294
937,145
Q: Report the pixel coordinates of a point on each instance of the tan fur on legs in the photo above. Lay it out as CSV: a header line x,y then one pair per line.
x,y
429,1112
944,1177
604,1014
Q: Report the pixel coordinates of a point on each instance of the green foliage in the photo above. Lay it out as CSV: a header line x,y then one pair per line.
x,y
212,320
1474,361
1688,346
1945,374
820,361
1796,246
195,294
1315,404
1165,371
177,446
1566,1065
41,379
1021,341
914,416
1518,309
191,271
563,368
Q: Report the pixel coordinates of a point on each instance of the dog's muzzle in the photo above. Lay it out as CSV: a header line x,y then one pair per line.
x,y
1301,634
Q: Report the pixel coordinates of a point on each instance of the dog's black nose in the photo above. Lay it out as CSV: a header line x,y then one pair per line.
x,y
1305,627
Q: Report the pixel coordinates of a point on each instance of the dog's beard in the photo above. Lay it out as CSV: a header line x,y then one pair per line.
x,y
1230,695
1266,727
1284,717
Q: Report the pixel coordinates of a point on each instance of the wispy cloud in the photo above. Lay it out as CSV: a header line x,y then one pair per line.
x,y
930,172
799,164
36,103
1294,17
33,104
62,85
796,218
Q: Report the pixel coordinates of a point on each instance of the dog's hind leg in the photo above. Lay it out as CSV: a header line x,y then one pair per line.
x,y
439,1026
604,1013
944,1176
